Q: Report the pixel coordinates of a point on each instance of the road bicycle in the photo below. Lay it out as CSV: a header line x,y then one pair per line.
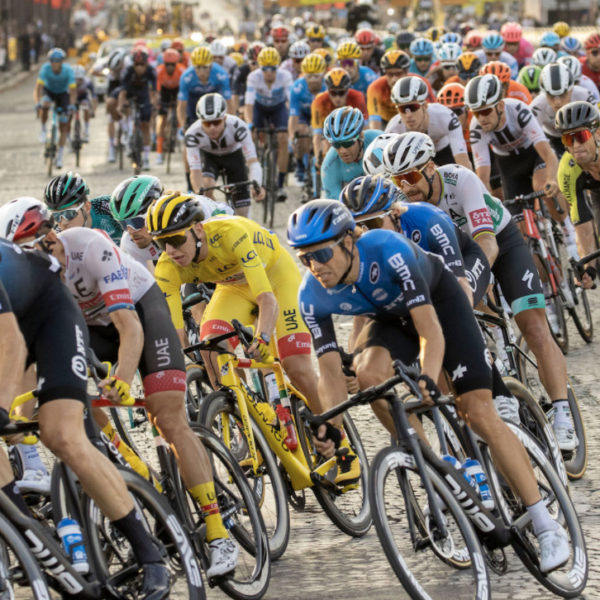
x,y
311,187
267,156
51,148
228,189
171,129
77,138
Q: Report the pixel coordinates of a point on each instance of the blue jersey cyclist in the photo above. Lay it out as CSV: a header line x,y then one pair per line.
x,y
418,311
348,56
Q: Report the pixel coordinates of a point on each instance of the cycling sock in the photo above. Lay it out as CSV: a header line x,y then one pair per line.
x,y
159,144
133,460
59,154
146,151
31,458
540,517
204,494
111,141
131,527
280,179
562,413
11,490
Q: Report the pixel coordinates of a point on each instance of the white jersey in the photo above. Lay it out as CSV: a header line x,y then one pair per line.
x,y
230,66
142,255
444,128
469,204
520,132
505,57
588,83
545,114
99,276
258,92
288,65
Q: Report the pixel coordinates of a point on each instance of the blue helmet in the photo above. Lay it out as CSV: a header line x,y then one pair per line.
x,y
318,221
549,40
368,194
493,41
343,124
451,38
56,55
570,44
421,47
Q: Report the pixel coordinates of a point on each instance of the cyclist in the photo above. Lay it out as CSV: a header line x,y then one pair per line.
x,y
543,56
297,53
370,51
530,77
36,310
138,82
493,49
452,95
511,88
461,194
220,56
571,46
85,98
422,52
467,66
338,94
280,35
115,64
55,84
168,75
404,39
409,94
220,143
238,85
184,55
315,36
551,40
266,104
579,78
67,197
446,66
348,58
473,41
419,313
590,63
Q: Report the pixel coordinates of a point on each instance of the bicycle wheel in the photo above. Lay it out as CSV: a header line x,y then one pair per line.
x,y
136,149
77,140
119,147
267,483
580,312
18,566
399,506
273,177
198,388
350,511
51,149
567,581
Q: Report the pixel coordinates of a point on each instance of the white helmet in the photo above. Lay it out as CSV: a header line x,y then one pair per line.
x,y
543,56
218,48
115,60
373,157
79,71
23,217
572,63
556,79
483,90
299,50
448,53
409,89
211,107
407,152
165,45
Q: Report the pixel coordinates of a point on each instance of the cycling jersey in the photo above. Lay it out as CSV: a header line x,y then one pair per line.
x,y
585,69
573,181
238,83
258,92
322,107
301,99
366,77
414,70
524,53
191,89
57,83
518,91
505,57
142,255
288,65
587,83
102,218
136,83
85,90
166,80
335,173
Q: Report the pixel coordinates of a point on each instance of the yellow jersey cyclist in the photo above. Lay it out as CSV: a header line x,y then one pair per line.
x,y
252,271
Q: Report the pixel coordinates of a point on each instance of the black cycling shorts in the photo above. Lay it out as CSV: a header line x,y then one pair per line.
x,y
466,358
143,101
234,166
588,207
167,96
477,270
495,179
444,156
162,364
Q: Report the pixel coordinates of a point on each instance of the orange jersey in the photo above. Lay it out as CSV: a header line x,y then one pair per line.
x,y
321,107
518,91
379,102
170,82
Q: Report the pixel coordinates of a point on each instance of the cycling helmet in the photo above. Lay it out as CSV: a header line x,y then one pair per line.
x,y
115,59
337,79
409,89
404,39
394,59
556,79
550,40
66,190
313,63
140,56
281,32
326,54
79,71
393,27
201,57
315,31
254,50
343,125
570,44
468,63
56,55
451,38
348,50
577,114
24,217
452,95
473,40
561,29
170,56
409,151
165,45
572,63
511,33
172,213
492,41
498,68
177,44
465,27
449,53
299,50
318,221
365,37
421,47
483,90
592,41
211,106
217,49
240,46
239,59
268,57
368,194
530,77
543,56
133,196
435,33
373,156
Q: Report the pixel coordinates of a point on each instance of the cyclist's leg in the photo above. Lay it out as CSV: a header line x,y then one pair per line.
x,y
145,116
209,174
583,220
279,118
161,125
236,169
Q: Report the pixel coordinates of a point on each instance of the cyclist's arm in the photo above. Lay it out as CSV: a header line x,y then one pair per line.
x,y
457,143
72,94
131,342
249,152
181,111
248,111
38,91
431,340
13,353
169,281
292,125
484,173
487,242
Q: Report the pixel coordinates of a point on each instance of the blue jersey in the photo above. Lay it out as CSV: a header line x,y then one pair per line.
x,y
416,71
366,77
335,173
102,218
301,98
191,89
395,276
57,83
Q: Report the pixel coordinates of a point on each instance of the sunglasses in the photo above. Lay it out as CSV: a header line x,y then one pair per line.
x,y
366,47
298,60
338,93
66,215
269,69
484,112
458,110
411,177
347,62
280,40
322,256
175,241
347,144
374,222
215,123
423,59
43,230
135,223
314,39
492,54
568,139
139,64
594,52
411,108
464,75
202,67
170,64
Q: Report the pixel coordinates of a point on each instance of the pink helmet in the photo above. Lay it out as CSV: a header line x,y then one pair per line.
x,y
511,32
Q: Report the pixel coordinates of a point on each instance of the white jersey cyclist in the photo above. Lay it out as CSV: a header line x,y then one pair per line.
x,y
588,83
521,132
258,92
505,57
99,276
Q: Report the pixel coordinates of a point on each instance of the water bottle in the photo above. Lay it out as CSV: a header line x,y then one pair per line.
x,y
473,468
72,540
456,464
285,418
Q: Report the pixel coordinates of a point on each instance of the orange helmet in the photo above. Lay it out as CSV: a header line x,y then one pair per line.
x,y
177,44
452,95
498,68
171,56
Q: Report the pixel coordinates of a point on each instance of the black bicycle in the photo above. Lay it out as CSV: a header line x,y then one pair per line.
x,y
171,129
136,141
228,189
77,140
267,154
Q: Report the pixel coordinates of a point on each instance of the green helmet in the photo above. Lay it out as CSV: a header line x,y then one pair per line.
x,y
529,76
133,196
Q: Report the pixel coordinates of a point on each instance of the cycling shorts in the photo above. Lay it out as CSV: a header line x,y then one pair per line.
x,y
237,302
516,272
162,364
495,179
234,165
586,208
444,156
143,100
61,101
477,271
113,84
167,96
466,358
263,116
304,118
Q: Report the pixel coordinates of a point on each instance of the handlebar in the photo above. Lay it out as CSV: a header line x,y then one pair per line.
x,y
526,200
580,268
227,188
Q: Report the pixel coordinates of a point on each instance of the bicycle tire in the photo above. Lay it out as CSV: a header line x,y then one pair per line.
x,y
408,565
580,312
350,512
51,149
273,150
274,510
197,389
77,141
136,151
264,163
119,148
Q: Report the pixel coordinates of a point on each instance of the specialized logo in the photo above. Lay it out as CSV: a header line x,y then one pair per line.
x,y
374,273
528,279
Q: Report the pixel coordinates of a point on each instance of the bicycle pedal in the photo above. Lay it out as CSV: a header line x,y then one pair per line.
x,y
350,487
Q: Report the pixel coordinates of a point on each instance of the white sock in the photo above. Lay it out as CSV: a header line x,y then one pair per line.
x,y
563,413
541,519
146,151
60,151
111,141
31,458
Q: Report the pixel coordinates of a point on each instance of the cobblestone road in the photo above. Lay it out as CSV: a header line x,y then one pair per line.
x,y
320,561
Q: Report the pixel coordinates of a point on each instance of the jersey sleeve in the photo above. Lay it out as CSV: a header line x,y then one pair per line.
x,y
568,172
169,281
250,97
329,175
152,78
42,78
455,135
373,103
479,145
529,124
443,241
316,115
319,322
242,135
225,90
71,82
358,101
479,218
183,94
192,148
395,125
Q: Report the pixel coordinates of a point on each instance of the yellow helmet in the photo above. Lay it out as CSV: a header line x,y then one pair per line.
x,y
337,79
348,50
313,63
201,57
268,57
239,59
315,31
172,213
435,33
561,28
325,53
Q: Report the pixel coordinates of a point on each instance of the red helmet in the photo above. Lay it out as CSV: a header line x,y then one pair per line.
x,y
254,50
140,42
499,69
511,32
473,39
281,32
24,217
592,41
140,55
177,44
171,56
365,37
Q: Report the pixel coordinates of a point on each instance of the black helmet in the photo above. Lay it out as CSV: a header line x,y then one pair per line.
x,y
404,39
577,114
66,190
370,194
